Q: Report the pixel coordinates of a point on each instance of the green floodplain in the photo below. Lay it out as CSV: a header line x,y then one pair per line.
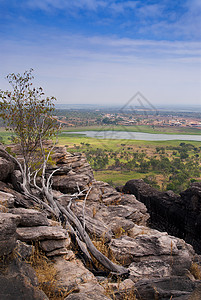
x,y
163,164
139,128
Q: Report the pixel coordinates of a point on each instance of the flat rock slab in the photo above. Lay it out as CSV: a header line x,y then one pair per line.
x,y
126,249
30,217
51,245
73,275
165,288
149,269
39,233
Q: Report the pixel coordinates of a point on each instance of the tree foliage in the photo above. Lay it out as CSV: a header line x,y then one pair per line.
x,y
27,112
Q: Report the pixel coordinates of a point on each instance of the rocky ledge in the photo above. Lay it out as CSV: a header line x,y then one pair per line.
x,y
179,215
160,265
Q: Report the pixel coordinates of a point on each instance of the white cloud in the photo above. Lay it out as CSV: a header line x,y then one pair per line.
x,y
122,7
82,69
49,5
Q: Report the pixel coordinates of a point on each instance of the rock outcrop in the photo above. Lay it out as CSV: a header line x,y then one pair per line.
x,y
74,171
159,264
178,215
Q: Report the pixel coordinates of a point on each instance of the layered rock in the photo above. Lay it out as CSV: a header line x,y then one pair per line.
x,y
73,276
178,215
17,279
73,171
159,264
153,254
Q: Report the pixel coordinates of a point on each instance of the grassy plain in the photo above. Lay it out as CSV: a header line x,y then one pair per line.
x,y
122,150
139,128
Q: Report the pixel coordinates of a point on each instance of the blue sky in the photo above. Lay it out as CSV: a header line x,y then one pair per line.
x,y
103,52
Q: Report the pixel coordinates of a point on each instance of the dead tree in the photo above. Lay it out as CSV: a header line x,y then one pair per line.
x,y
51,204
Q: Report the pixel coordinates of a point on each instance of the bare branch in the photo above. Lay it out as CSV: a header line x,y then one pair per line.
x,y
83,208
49,178
34,181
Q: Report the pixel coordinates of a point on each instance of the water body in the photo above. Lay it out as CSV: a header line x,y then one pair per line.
x,y
126,135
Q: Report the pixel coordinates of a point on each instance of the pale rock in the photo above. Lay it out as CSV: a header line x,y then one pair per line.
x,y
120,224
72,275
156,255
126,249
149,269
77,172
70,255
68,184
39,233
30,217
53,223
57,252
7,199
51,245
140,230
97,228
123,290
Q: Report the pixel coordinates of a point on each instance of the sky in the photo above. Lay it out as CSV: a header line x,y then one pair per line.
x,y
104,52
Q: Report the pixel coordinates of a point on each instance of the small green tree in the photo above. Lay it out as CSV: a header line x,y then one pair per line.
x,y
28,113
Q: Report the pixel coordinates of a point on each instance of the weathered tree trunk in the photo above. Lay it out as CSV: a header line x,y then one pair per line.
x,y
58,210
101,258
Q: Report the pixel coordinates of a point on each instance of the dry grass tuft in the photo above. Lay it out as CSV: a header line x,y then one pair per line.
x,y
118,232
113,293
196,271
47,275
102,246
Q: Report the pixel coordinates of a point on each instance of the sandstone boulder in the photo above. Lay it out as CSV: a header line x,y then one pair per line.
x,y
74,171
73,276
30,217
18,281
7,199
51,245
179,288
8,225
6,167
178,215
121,290
20,200
154,255
38,233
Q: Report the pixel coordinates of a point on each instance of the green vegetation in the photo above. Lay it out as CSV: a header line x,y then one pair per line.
x,y
27,114
163,164
137,128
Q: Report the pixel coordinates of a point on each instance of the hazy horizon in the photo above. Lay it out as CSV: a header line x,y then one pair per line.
x,y
103,52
